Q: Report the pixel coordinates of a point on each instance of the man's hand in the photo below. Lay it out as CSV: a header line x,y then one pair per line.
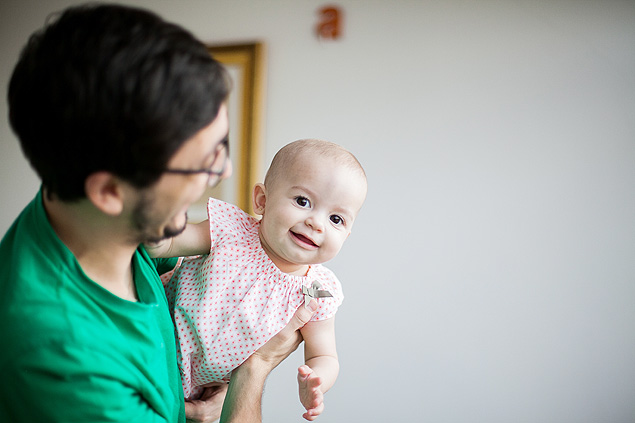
x,y
243,403
207,409
287,340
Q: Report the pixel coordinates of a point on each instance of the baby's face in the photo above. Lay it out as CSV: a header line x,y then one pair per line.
x,y
310,211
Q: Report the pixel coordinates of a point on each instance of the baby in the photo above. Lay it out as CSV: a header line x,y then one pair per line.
x,y
256,273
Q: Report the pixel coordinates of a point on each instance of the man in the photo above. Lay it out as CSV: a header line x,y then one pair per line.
x,y
123,117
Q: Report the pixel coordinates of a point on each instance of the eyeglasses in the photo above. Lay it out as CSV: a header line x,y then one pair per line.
x,y
216,170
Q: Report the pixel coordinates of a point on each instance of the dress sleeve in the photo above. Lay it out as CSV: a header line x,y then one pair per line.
x,y
327,307
227,222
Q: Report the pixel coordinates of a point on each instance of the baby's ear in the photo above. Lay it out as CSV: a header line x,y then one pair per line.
x,y
259,198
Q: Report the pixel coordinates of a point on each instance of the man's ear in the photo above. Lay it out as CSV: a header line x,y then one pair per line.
x,y
104,190
259,198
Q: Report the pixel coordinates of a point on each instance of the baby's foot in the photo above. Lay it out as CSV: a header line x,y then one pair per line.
x,y
311,395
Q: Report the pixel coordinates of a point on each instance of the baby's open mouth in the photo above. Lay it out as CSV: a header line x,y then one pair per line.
x,y
304,239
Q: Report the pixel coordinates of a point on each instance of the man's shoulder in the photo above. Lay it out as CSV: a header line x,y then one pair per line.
x,y
30,257
34,277
24,234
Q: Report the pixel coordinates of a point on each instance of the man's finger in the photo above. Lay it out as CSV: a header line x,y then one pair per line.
x,y
303,315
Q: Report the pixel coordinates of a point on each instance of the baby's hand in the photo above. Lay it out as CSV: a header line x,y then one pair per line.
x,y
311,395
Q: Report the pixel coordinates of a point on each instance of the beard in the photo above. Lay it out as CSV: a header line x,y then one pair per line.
x,y
147,223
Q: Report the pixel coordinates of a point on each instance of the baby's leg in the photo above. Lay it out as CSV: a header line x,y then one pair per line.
x,y
311,395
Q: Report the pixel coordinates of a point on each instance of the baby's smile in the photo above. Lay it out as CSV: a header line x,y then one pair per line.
x,y
304,240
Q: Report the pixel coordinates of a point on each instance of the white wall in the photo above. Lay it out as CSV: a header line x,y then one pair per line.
x,y
491,275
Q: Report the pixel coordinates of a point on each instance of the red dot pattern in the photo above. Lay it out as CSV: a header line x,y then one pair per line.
x,y
227,304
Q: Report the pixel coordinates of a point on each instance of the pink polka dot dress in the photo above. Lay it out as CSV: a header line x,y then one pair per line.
x,y
227,304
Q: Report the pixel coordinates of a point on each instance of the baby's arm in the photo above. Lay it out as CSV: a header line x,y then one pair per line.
x,y
321,367
194,240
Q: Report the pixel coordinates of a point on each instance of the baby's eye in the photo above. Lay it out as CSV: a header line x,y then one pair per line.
x,y
337,220
302,201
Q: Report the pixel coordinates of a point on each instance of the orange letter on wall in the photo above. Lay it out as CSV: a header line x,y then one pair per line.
x,y
329,26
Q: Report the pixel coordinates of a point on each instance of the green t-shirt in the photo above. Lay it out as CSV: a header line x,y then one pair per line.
x,y
72,351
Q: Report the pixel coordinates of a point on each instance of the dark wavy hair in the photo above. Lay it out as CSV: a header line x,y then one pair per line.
x,y
110,88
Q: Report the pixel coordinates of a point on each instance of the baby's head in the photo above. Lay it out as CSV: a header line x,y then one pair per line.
x,y
308,202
